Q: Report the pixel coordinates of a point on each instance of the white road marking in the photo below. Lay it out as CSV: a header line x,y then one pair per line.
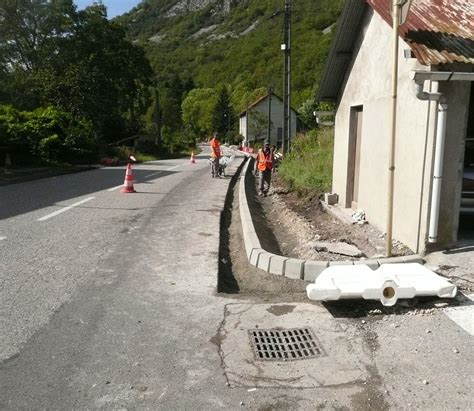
x,y
62,210
115,188
153,174
148,176
463,315
3,238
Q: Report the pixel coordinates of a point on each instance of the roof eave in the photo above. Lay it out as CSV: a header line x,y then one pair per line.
x,y
341,50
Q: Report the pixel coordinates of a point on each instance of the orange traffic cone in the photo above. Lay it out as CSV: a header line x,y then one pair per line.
x,y
128,183
193,159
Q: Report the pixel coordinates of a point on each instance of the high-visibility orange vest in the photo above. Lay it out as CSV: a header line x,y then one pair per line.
x,y
264,162
216,148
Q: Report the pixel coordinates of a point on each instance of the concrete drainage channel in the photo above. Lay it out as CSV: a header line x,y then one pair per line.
x,y
226,282
307,270
385,280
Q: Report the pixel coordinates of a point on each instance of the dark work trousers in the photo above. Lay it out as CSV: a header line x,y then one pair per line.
x,y
265,179
215,166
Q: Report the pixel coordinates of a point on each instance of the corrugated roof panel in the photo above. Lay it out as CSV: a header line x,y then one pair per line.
x,y
340,53
438,31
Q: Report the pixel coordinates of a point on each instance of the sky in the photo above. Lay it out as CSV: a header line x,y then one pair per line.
x,y
114,7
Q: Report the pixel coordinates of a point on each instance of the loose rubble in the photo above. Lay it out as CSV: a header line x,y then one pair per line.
x,y
304,230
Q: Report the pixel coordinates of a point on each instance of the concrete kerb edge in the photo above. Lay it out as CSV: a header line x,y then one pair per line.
x,y
294,268
280,265
277,264
255,255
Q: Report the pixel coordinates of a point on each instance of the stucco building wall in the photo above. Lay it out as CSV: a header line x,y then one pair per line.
x,y
276,119
369,86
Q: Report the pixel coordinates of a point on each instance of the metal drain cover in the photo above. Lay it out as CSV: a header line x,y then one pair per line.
x,y
284,344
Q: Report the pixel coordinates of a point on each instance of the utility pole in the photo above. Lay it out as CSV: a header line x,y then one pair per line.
x,y
400,9
247,119
285,47
288,81
270,91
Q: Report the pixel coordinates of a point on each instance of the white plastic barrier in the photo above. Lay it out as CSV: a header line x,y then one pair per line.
x,y
388,283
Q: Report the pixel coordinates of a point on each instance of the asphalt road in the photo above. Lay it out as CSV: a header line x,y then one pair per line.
x,y
108,301
111,302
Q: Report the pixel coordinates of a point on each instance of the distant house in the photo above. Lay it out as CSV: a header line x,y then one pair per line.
x,y
253,122
435,75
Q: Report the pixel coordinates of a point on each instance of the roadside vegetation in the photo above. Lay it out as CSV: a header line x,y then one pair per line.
x,y
70,83
77,88
308,168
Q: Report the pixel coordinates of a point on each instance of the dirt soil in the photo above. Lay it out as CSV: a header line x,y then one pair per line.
x,y
295,226
283,220
300,224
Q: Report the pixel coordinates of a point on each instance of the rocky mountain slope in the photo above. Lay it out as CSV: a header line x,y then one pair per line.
x,y
236,42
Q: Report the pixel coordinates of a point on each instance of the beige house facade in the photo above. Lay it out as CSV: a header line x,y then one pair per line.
x,y
358,79
254,122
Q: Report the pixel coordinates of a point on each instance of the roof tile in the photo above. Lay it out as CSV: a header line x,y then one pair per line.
x,y
438,31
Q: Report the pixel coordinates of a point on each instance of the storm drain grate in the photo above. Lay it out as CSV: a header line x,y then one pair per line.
x,y
284,345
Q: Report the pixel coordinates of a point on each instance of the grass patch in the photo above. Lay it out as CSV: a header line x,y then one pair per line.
x,y
308,168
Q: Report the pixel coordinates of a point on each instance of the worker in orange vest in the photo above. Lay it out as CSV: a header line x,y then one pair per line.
x,y
215,155
264,166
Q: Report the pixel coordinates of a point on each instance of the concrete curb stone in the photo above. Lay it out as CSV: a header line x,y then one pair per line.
x,y
293,268
264,261
277,264
312,269
254,256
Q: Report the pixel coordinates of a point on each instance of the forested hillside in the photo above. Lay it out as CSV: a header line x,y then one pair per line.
x,y
236,43
73,83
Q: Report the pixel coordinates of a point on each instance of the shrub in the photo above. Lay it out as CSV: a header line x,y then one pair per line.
x,y
46,135
50,149
12,136
308,168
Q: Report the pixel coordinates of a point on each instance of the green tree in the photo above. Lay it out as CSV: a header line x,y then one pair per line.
x,y
165,112
31,31
306,113
101,76
171,98
223,116
80,62
46,135
198,108
30,37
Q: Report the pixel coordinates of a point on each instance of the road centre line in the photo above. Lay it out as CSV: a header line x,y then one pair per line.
x,y
148,176
463,315
62,210
154,174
